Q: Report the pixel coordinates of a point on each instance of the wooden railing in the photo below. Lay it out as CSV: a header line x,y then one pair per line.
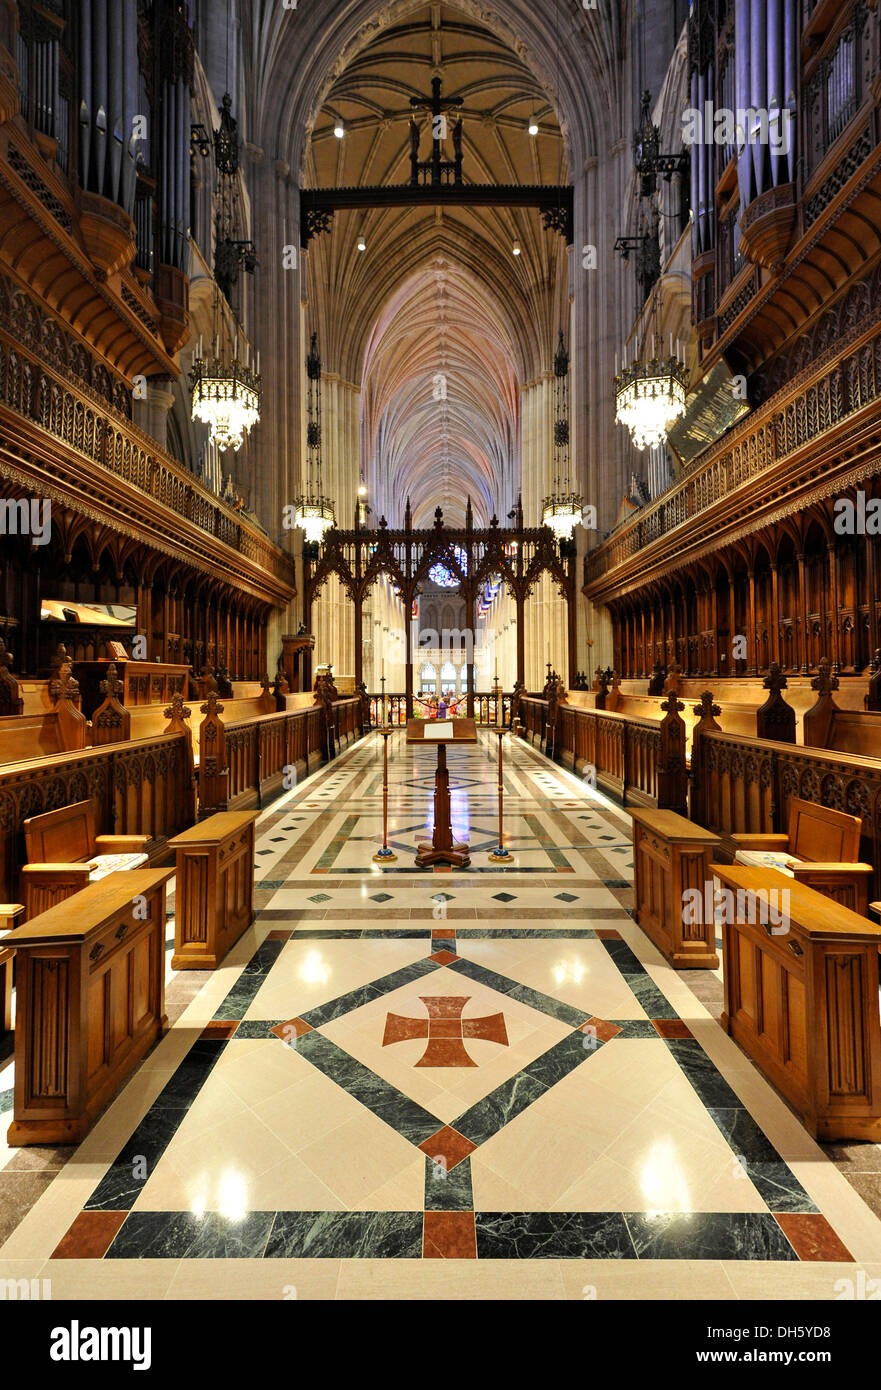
x,y
719,487
243,762
142,787
614,752
38,390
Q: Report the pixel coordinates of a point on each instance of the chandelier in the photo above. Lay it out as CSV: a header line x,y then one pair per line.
x,y
313,512
226,388
650,396
226,395
564,509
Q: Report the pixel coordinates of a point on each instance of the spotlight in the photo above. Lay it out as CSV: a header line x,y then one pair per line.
x,y
362,244
533,126
362,491
339,130
516,248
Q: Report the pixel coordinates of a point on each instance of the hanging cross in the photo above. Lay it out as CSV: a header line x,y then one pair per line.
x,y
438,106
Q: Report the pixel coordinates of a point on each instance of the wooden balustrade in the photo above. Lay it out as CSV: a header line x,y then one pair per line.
x,y
621,754
242,762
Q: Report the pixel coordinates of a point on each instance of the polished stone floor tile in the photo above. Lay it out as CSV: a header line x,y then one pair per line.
x,y
604,1139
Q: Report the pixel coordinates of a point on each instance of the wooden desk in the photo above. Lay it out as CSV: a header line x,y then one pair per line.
x,y
671,856
214,893
804,1003
91,1003
442,849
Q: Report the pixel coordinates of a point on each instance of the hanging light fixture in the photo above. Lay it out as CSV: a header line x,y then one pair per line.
x,y
313,512
650,392
563,510
226,394
226,388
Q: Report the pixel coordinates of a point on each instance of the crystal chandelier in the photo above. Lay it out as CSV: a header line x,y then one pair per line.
x,y
313,512
564,509
226,388
226,395
650,396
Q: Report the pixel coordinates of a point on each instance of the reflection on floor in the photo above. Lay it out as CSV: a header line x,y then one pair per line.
x,y
469,1083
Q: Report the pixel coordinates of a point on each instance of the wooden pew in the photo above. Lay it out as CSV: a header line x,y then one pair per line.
x,y
820,848
214,888
91,1003
801,999
59,727
844,731
64,854
143,787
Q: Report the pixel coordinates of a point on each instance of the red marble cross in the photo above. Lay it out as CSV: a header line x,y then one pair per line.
x,y
445,1029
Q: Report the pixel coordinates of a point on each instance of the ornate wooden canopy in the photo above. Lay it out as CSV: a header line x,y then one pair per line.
x,y
517,554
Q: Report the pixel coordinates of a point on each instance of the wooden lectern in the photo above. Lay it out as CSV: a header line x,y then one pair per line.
x,y
442,849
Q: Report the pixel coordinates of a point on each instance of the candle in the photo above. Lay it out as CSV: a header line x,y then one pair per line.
x,y
236,349
258,363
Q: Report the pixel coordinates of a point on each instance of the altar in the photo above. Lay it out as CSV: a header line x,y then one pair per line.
x,y
442,848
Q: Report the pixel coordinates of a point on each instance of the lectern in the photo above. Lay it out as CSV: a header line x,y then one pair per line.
x,y
442,849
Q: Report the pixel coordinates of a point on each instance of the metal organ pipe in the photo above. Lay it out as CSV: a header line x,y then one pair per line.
x,y
701,209
696,247
85,90
115,111
741,93
774,84
130,92
757,86
184,156
100,95
790,79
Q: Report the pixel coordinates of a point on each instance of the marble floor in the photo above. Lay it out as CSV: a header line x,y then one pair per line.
x,y
469,1083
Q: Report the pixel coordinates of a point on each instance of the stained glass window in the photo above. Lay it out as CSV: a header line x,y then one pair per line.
x,y
445,578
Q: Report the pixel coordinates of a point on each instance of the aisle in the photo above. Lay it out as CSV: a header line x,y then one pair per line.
x,y
469,1083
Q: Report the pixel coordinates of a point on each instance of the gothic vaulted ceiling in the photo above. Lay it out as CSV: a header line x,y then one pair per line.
x,y
437,322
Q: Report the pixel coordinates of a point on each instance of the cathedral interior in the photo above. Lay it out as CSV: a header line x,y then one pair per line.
x,y
506,377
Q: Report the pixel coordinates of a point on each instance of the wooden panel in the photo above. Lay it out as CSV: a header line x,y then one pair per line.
x,y
76,1043
214,902
803,1003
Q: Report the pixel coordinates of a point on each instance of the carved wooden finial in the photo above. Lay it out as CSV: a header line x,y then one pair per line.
x,y
707,709
177,710
672,704
438,517
5,656
775,681
211,707
265,683
61,658
112,686
824,682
